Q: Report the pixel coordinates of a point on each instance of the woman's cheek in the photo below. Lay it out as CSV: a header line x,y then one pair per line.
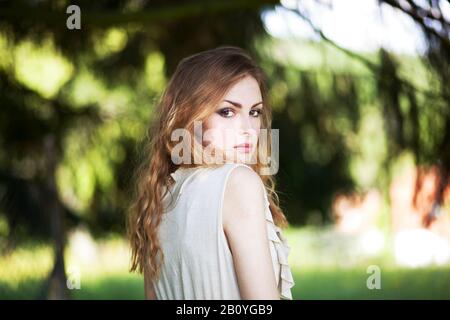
x,y
214,137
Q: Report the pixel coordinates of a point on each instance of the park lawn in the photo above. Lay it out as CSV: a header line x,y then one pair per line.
x,y
396,283
425,283
319,273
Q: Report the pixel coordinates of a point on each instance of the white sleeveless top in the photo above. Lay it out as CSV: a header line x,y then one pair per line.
x,y
198,264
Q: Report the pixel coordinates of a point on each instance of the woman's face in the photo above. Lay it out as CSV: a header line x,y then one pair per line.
x,y
235,125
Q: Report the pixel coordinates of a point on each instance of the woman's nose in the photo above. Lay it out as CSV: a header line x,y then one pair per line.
x,y
246,126
246,123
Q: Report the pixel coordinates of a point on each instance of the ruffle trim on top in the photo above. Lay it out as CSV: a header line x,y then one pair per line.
x,y
282,250
274,234
180,176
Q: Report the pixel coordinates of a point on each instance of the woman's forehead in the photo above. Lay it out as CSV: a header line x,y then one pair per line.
x,y
245,92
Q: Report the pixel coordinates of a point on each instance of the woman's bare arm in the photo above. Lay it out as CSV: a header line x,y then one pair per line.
x,y
244,224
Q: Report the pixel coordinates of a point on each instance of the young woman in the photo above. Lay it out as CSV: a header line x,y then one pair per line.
x,y
210,229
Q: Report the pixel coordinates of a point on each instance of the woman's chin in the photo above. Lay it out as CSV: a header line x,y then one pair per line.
x,y
241,157
234,155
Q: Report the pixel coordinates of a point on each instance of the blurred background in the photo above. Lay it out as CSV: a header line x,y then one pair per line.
x,y
360,91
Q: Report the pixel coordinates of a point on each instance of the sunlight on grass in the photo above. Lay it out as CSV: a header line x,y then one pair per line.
x,y
25,264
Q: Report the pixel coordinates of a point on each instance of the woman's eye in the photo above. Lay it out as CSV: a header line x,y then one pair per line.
x,y
226,112
257,113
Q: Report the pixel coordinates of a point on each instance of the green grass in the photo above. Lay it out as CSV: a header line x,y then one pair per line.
x,y
121,286
429,283
425,283
320,267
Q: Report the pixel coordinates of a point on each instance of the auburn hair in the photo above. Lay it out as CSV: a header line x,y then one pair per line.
x,y
194,91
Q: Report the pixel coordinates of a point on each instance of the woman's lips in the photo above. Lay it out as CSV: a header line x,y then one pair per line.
x,y
244,147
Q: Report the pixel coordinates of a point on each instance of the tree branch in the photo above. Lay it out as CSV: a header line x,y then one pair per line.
x,y
116,18
370,65
414,14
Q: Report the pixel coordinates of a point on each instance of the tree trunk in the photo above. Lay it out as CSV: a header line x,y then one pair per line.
x,y
57,281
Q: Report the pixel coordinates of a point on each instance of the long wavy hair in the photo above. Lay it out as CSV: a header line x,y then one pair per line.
x,y
194,91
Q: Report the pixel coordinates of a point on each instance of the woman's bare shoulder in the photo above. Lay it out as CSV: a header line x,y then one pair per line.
x,y
244,194
242,175
245,227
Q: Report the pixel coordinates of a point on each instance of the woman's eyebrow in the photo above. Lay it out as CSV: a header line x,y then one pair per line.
x,y
236,104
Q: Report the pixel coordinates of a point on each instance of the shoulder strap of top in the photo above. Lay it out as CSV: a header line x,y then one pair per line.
x,y
181,177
